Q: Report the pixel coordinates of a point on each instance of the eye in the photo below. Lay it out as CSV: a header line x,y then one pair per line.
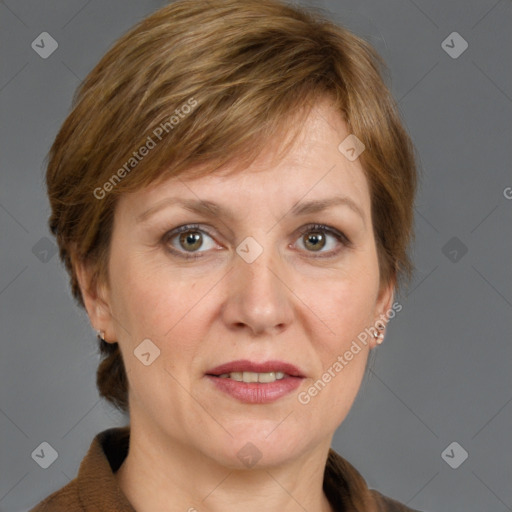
x,y
316,237
188,239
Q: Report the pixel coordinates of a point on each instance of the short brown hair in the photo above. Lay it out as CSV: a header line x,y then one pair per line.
x,y
246,68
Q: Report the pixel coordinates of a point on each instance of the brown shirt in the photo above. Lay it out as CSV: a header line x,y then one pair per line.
x,y
95,489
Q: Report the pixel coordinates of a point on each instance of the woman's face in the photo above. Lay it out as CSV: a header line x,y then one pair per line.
x,y
261,284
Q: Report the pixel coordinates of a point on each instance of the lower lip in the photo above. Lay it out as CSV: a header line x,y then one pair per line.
x,y
257,392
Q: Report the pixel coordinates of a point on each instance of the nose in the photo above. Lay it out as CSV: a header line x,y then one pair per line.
x,y
258,297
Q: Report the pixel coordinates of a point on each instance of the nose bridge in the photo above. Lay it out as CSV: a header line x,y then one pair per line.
x,y
257,297
258,276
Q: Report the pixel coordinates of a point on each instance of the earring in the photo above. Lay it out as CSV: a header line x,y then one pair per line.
x,y
379,337
101,336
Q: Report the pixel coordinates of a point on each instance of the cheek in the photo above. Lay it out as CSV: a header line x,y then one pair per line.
x,y
155,301
346,305
346,308
342,356
156,304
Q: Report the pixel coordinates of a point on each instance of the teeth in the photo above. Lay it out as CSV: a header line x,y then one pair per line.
x,y
250,377
253,376
267,377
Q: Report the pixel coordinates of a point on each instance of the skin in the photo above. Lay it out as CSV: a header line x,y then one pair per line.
x,y
286,305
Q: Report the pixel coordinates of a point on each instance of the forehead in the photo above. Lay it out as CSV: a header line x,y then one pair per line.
x,y
313,168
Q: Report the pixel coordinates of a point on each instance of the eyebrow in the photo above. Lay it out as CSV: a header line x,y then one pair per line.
x,y
212,209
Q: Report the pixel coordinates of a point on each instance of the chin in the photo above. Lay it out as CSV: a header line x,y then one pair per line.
x,y
259,445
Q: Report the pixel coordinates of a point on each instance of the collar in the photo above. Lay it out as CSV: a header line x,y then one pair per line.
x,y
98,488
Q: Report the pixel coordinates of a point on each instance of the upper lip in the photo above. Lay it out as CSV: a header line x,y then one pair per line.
x,y
244,365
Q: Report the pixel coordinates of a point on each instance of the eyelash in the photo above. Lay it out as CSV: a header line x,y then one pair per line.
x,y
316,228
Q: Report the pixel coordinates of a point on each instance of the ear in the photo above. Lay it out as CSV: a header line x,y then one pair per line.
x,y
96,300
383,306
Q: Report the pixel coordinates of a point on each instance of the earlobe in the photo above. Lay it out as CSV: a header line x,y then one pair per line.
x,y
383,308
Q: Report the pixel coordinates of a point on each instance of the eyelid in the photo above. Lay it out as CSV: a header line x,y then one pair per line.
x,y
312,227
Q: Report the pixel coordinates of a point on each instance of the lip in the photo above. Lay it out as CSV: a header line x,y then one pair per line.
x,y
244,365
256,392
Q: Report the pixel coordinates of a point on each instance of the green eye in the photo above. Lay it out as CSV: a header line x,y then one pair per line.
x,y
192,239
317,236
186,241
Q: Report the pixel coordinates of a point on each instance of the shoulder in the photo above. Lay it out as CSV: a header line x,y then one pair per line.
x,y
95,487
63,500
385,504
346,489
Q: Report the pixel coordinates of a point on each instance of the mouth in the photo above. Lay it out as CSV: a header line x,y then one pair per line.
x,y
251,382
249,371
247,377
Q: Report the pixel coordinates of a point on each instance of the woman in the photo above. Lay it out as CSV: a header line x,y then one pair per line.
x,y
232,196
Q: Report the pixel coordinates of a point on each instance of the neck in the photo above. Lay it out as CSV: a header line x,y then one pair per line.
x,y
163,474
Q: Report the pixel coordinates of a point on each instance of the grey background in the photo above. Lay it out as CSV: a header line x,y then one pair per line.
x,y
443,372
